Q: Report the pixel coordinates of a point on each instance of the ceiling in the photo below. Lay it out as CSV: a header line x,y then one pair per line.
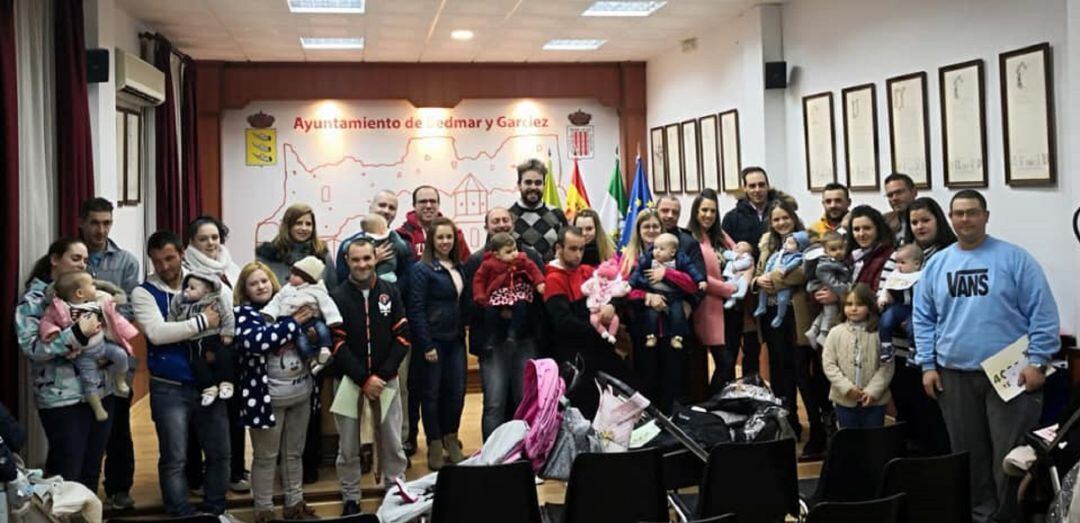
x,y
419,30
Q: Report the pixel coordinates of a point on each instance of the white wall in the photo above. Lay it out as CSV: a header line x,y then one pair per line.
x,y
833,44
108,26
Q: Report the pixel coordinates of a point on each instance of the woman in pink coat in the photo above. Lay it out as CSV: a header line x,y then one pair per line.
x,y
709,317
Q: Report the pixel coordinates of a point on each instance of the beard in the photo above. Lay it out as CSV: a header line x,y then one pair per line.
x,y
531,196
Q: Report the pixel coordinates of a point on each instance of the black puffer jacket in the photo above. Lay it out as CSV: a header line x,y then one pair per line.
x,y
388,331
742,223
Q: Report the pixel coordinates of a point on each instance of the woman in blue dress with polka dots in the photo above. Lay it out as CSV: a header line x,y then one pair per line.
x,y
275,392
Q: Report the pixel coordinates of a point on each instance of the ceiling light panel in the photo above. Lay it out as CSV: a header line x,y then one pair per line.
x,y
573,44
332,43
327,6
620,8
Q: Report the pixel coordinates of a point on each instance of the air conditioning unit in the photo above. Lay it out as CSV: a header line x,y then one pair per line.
x,y
137,81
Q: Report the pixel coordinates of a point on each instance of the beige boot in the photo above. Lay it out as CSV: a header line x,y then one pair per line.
x,y
453,449
264,516
120,382
299,511
95,404
434,455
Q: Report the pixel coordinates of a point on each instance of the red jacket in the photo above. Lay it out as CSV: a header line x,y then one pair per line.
x,y
494,274
413,232
563,282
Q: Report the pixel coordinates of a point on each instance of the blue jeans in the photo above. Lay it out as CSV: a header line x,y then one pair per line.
x,y
444,390
891,319
668,324
173,407
90,374
860,417
502,370
76,441
322,331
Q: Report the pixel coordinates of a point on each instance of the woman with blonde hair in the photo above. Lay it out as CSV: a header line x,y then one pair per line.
x,y
598,245
278,388
296,238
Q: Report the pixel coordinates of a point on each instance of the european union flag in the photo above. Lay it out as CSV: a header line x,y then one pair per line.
x,y
640,199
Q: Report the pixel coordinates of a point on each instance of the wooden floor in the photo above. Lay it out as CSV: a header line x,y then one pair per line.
x,y
323,493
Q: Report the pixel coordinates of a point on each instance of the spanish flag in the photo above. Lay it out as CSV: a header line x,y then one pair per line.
x,y
576,197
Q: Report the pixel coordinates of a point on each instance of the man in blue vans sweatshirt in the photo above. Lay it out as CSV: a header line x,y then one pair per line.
x,y
174,399
973,299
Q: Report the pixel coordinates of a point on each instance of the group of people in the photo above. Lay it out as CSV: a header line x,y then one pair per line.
x,y
856,310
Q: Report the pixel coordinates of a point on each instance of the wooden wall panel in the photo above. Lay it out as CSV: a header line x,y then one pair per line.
x,y
232,85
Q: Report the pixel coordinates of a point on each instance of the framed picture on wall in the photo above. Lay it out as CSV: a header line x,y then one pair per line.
x,y
909,127
659,160
691,157
963,124
819,140
861,137
674,148
730,162
710,152
1027,116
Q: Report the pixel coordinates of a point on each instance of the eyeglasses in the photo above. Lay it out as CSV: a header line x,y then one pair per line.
x,y
966,213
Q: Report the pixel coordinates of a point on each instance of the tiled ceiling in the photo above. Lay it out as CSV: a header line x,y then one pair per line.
x,y
419,30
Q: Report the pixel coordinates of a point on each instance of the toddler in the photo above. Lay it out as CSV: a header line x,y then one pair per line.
x,y
306,288
211,358
674,323
504,286
894,298
375,226
859,379
785,260
738,266
830,271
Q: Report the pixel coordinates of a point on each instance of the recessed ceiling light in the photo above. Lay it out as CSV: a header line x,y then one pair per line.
x,y
461,34
332,43
326,6
622,8
573,44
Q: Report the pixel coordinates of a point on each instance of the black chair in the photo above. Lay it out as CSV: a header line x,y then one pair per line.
x,y
622,487
486,494
755,481
938,488
854,463
355,518
884,510
723,518
195,518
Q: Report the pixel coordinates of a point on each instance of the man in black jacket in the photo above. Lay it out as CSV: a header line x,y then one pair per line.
x,y
368,348
501,367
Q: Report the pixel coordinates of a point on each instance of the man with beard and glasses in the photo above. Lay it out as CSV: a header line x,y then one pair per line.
x,y
537,224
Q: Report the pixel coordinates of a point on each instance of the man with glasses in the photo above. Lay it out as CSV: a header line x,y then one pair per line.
x,y
900,191
973,299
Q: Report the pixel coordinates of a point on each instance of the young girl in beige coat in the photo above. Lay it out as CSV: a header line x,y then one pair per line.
x,y
860,380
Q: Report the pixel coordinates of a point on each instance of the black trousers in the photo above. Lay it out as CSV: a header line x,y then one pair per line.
x,y
725,356
120,452
925,428
795,369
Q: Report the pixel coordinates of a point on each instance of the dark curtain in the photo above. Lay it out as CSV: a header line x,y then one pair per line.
x,y
170,213
9,173
189,145
74,151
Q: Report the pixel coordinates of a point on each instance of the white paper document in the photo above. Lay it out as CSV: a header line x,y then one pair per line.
x,y
1003,369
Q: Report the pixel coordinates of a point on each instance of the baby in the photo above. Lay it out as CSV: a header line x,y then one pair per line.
x,y
76,297
738,266
785,260
375,226
504,286
605,284
894,298
674,323
209,354
831,272
306,288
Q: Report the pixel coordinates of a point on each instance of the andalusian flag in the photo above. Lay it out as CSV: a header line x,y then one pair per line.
x,y
551,194
640,199
576,197
613,207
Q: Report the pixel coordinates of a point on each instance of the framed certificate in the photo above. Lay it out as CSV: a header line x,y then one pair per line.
x,y
730,163
674,148
691,158
820,140
1027,109
710,152
909,128
659,160
963,124
861,137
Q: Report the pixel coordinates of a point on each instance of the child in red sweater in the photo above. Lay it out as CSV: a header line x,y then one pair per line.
x,y
504,286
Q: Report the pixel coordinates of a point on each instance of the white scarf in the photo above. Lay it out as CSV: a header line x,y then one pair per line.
x,y
194,259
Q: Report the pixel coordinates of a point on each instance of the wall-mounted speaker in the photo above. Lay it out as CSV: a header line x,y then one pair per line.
x,y
97,66
775,75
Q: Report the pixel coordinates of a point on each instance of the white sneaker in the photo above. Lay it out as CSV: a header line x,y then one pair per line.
x,y
226,390
227,517
209,394
324,355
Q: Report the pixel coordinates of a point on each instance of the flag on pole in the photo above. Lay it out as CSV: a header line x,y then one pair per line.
x,y
613,206
576,197
640,198
551,194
